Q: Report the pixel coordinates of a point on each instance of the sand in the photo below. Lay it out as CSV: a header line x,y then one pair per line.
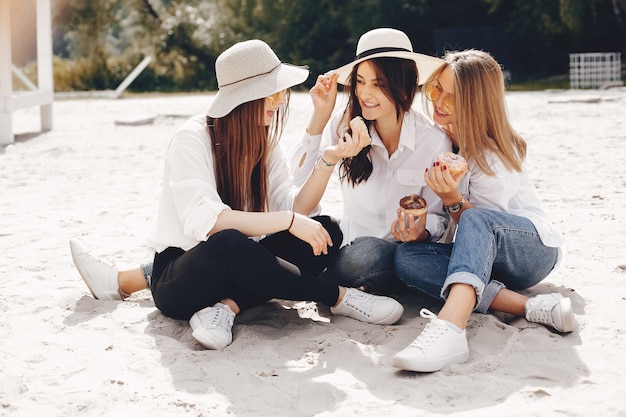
x,y
97,175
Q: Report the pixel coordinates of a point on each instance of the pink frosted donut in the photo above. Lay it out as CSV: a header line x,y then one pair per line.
x,y
456,163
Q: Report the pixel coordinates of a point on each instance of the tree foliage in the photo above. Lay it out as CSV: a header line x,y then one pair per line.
x,y
542,33
186,36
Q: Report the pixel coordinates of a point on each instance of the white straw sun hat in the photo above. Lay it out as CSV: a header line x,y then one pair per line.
x,y
386,42
248,71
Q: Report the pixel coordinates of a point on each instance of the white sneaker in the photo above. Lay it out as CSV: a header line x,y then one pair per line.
x,y
100,276
212,326
369,308
553,310
438,345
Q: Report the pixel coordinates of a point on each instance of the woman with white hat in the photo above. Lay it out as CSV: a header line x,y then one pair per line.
x,y
232,230
382,82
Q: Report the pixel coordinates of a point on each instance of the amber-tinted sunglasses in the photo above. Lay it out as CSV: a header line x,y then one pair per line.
x,y
432,91
276,96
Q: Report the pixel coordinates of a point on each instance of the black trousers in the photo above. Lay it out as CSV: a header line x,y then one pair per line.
x,y
230,265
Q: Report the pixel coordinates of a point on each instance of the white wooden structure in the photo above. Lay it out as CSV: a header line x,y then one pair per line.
x,y
595,70
43,94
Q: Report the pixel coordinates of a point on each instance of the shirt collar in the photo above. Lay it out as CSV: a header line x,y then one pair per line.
x,y
407,133
408,137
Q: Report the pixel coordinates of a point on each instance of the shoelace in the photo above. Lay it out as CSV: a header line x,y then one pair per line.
x,y
431,332
109,265
218,317
361,302
541,312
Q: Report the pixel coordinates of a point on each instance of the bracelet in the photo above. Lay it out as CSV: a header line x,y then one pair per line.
x,y
328,164
293,217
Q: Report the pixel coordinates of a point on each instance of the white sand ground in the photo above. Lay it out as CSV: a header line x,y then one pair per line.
x,y
62,353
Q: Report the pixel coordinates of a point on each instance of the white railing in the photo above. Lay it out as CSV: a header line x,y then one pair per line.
x,y
595,70
43,94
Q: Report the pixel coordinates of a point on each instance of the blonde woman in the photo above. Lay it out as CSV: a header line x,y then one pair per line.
x,y
504,241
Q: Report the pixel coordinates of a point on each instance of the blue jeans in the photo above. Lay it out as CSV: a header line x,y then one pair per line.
x,y
367,261
492,250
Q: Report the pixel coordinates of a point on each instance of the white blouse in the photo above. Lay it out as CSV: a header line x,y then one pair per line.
x,y
510,192
370,208
190,203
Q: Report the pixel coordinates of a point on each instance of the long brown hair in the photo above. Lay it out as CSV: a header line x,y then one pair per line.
x,y
481,124
241,144
397,79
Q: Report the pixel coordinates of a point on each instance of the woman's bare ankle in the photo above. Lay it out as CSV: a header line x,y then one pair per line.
x,y
131,280
231,304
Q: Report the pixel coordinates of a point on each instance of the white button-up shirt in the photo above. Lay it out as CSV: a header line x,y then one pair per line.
x,y
190,203
370,207
510,192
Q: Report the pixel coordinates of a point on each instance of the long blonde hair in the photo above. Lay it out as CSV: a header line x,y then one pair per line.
x,y
241,144
481,125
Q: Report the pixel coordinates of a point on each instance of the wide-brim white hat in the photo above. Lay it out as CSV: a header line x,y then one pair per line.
x,y
386,42
248,71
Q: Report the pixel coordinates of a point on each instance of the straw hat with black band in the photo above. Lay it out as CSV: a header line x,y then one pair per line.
x,y
248,71
386,42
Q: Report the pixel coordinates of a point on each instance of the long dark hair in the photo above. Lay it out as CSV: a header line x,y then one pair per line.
x,y
398,79
241,144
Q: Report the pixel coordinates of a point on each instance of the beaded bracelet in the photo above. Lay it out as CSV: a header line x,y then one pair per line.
x,y
328,164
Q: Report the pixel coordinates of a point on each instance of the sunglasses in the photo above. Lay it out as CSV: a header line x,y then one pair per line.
x,y
276,96
432,91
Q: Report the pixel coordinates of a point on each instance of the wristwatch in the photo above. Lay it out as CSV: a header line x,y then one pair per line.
x,y
455,207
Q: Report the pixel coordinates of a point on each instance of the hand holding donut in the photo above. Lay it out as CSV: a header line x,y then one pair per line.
x,y
411,222
349,145
359,130
446,173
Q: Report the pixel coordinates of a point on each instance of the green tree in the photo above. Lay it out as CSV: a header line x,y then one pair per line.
x,y
107,38
322,34
89,24
542,33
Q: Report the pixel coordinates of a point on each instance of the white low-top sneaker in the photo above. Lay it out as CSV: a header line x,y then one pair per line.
x,y
552,310
440,344
100,276
213,326
368,308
